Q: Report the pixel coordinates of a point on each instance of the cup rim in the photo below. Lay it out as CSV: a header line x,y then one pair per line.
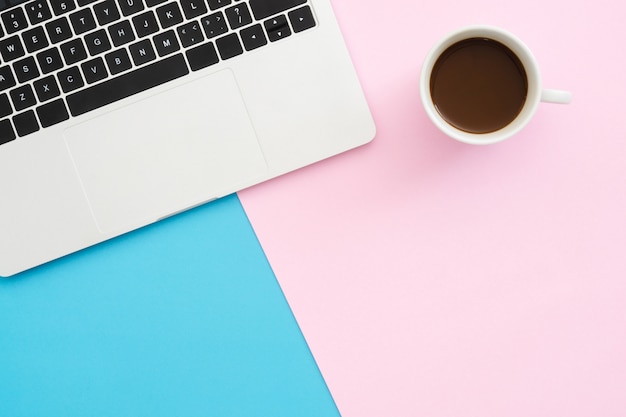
x,y
523,53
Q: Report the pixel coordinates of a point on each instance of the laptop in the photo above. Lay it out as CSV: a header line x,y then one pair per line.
x,y
115,114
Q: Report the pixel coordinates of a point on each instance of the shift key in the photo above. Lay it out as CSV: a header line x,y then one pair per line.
x,y
266,8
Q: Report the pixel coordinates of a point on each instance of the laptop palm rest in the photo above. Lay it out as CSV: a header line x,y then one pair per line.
x,y
138,156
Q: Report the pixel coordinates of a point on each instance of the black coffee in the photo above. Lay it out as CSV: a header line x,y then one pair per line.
x,y
478,85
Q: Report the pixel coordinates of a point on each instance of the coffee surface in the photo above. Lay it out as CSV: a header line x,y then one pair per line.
x,y
478,85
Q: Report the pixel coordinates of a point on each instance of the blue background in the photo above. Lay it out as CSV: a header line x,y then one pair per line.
x,y
181,318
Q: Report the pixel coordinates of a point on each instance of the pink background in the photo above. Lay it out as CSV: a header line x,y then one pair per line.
x,y
434,278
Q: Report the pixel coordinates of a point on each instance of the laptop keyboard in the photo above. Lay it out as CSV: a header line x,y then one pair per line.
x,y
64,58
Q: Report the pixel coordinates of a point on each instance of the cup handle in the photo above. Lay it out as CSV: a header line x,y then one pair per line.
x,y
556,96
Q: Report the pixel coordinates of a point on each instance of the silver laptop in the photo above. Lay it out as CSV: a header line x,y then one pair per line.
x,y
115,114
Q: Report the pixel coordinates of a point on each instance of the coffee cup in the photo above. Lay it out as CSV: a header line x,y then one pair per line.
x,y
481,85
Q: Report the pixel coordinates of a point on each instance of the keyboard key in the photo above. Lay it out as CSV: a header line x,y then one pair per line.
x,y
73,51
23,97
25,69
229,46
46,88
118,61
106,12
129,7
193,8
166,43
5,106
83,21
301,19
266,8
145,24
214,25
169,15
253,37
238,16
58,30
216,4
277,22
25,123
85,2
35,39
7,134
49,60
7,80
70,79
14,20
202,56
190,34
121,33
52,113
277,28
151,3
11,48
142,52
94,70
38,11
62,6
127,85
97,42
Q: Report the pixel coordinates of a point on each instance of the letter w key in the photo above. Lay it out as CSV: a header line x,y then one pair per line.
x,y
11,48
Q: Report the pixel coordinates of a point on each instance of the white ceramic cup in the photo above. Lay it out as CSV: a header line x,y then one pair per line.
x,y
535,93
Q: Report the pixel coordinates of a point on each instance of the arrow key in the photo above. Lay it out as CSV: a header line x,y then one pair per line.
x,y
253,37
277,28
301,19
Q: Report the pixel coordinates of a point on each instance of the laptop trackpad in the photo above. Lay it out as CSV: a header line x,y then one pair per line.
x,y
166,153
